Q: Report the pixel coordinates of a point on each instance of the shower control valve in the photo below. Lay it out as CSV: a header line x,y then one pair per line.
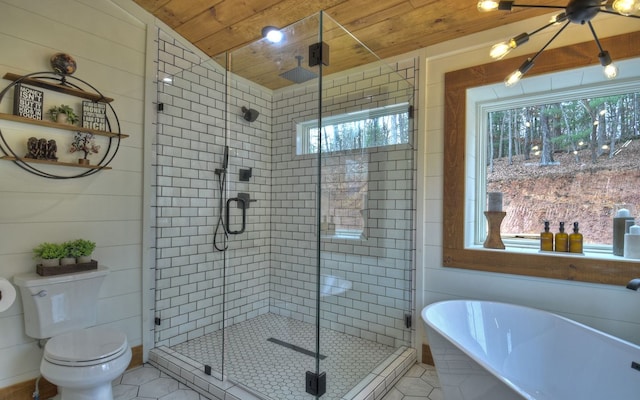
x,y
246,197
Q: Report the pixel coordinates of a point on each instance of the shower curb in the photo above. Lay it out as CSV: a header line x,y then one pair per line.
x,y
376,385
191,373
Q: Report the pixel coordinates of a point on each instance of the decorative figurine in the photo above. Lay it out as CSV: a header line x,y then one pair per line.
x,y
52,147
32,148
63,64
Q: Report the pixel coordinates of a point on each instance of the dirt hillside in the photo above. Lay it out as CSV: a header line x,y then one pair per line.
x,y
581,191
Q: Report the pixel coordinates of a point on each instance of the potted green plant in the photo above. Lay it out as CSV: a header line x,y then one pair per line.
x,y
83,249
49,254
70,253
63,114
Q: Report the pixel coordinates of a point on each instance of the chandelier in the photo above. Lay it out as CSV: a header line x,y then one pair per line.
x,y
577,12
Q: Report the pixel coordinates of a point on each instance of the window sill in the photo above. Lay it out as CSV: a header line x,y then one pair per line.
x,y
596,255
591,267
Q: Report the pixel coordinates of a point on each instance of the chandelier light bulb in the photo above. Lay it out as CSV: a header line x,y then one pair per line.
x,y
516,75
499,50
611,71
513,78
626,7
558,18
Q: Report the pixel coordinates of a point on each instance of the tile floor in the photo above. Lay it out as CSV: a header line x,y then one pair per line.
x,y
148,383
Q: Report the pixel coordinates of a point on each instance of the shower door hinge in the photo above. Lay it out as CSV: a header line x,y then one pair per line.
x,y
316,385
160,107
407,320
410,111
318,53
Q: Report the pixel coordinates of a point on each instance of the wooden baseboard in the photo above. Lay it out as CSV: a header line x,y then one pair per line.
x,y
136,357
24,390
427,357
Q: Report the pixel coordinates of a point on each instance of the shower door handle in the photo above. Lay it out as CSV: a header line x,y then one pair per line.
x,y
242,204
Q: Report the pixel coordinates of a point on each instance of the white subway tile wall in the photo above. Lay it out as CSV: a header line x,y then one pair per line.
x,y
271,267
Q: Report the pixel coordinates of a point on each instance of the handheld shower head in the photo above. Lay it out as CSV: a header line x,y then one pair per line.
x,y
249,114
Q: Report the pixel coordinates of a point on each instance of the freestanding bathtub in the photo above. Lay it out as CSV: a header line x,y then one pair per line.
x,y
497,351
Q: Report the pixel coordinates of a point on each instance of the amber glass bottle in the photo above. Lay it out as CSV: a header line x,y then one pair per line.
x,y
562,239
546,238
575,240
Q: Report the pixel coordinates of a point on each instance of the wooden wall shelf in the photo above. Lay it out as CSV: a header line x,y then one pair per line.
x,y
49,162
57,88
67,127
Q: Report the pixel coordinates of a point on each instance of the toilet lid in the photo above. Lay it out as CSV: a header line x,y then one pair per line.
x,y
86,347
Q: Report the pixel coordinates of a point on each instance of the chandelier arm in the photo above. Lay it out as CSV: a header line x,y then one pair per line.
x,y
537,6
593,31
543,28
550,40
618,14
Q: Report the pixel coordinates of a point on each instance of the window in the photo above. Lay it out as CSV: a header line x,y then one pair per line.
x,y
345,139
382,126
568,156
459,194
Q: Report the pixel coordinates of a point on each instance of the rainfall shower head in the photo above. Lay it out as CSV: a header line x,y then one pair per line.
x,y
299,74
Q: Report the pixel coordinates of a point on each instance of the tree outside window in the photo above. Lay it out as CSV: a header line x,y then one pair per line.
x,y
568,161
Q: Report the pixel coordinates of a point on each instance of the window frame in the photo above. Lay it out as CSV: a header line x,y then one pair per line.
x,y
303,128
613,271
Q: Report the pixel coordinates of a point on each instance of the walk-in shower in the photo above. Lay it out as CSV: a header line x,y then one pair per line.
x,y
284,243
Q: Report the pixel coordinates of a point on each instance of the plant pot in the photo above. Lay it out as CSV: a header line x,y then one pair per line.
x,y
61,118
84,259
83,161
50,262
67,261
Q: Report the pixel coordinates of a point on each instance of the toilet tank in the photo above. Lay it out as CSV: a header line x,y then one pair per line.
x,y
59,303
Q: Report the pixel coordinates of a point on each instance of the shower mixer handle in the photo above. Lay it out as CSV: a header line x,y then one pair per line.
x,y
242,205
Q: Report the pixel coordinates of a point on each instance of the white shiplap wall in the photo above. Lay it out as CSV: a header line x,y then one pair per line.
x,y
109,47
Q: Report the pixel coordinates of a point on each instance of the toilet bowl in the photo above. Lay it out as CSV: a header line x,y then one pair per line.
x,y
79,357
84,362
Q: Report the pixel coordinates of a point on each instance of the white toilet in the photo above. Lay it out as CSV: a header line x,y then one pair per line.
x,y
79,358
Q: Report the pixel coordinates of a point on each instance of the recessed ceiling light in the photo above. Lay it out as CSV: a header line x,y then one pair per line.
x,y
272,34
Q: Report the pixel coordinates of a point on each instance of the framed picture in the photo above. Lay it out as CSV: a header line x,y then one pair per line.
x,y
27,102
94,115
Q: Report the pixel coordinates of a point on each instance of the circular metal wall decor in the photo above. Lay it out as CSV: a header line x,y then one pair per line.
x,y
107,128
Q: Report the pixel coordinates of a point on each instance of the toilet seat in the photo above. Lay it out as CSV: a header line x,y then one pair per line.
x,y
86,347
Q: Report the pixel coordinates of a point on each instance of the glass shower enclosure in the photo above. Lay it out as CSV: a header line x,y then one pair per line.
x,y
285,201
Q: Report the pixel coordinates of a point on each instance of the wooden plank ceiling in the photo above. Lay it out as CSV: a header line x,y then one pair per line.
x,y
387,27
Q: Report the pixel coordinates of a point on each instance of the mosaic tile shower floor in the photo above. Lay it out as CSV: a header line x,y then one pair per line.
x,y
277,371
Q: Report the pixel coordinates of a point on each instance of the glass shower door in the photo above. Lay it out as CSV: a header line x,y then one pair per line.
x,y
189,153
271,262
365,138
